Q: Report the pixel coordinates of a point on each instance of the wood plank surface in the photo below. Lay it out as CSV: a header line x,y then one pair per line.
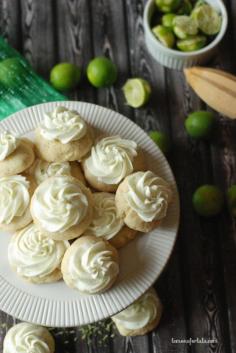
x,y
198,286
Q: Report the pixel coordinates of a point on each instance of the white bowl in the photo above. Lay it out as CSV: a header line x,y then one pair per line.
x,y
175,59
141,261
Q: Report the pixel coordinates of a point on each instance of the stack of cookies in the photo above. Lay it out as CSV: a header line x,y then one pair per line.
x,y
72,200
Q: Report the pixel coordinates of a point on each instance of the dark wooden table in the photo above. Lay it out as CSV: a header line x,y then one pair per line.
x,y
198,287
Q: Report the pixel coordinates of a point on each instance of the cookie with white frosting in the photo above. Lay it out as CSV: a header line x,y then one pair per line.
x,y
142,200
35,257
16,155
42,170
63,136
140,317
110,161
25,338
62,207
15,195
106,224
90,265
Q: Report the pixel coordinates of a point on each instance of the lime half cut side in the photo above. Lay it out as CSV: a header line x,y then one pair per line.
x,y
185,26
137,92
208,19
192,43
164,35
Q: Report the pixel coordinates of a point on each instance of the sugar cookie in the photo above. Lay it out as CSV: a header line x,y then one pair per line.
x,y
110,161
140,317
63,136
16,155
35,257
15,193
62,207
106,224
42,170
142,200
90,265
25,338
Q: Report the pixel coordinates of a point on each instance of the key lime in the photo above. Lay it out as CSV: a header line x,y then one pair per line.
x,y
199,124
167,5
65,76
161,140
101,72
164,35
199,3
167,20
192,43
231,199
208,200
207,18
137,92
185,8
10,69
185,26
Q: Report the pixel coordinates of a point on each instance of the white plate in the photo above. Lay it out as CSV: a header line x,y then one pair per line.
x,y
141,261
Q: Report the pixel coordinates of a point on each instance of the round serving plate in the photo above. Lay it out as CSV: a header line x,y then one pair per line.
x,y
141,261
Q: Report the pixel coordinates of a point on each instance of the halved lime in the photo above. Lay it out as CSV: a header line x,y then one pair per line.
x,y
137,92
164,35
167,20
167,5
192,43
199,3
185,8
185,26
208,19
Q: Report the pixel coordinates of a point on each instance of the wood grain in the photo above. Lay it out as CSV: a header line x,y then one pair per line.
x,y
224,168
200,263
37,34
74,40
10,22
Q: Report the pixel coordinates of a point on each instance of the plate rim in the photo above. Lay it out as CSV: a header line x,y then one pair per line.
x,y
7,290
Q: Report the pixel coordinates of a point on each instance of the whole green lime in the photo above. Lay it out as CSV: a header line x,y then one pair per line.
x,y
11,71
208,200
231,199
65,76
199,124
161,139
101,72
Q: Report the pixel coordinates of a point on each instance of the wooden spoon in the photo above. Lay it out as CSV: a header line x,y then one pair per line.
x,y
215,87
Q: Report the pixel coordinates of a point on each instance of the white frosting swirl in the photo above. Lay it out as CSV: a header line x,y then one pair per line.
x,y
148,195
111,159
105,223
27,338
33,254
8,144
64,125
44,170
59,203
92,267
141,313
14,197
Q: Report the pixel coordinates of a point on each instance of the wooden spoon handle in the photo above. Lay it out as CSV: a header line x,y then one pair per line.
x,y
215,87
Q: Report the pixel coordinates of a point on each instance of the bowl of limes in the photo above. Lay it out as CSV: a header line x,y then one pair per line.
x,y
184,33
